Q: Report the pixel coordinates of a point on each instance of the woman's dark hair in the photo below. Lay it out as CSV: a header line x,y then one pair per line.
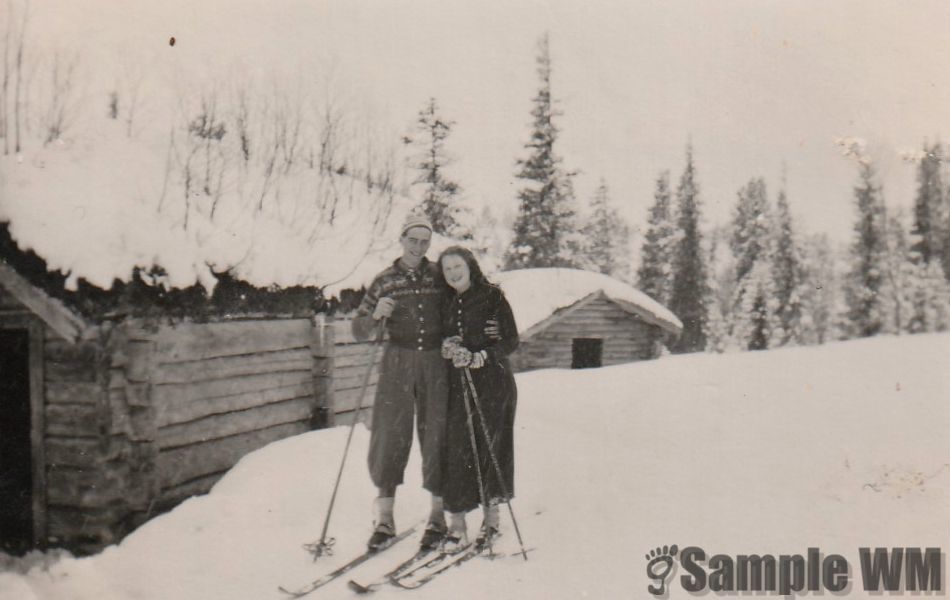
x,y
475,271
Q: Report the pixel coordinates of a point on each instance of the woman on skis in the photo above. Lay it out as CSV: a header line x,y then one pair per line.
x,y
482,398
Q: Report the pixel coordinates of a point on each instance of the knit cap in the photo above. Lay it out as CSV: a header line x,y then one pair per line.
x,y
415,218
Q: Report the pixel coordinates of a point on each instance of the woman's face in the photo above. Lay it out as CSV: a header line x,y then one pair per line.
x,y
456,273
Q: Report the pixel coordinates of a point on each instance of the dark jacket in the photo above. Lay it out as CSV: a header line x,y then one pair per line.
x,y
466,315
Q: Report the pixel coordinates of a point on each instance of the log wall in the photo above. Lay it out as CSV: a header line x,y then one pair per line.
x,y
626,338
138,416
350,363
215,391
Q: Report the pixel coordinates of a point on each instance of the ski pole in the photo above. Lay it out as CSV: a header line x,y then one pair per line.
x,y
324,545
471,435
494,460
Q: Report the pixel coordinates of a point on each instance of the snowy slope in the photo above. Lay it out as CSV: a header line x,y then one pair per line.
x,y
536,293
837,447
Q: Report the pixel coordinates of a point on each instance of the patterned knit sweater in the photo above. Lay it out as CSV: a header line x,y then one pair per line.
x,y
416,319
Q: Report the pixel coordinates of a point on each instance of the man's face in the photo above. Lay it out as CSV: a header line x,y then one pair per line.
x,y
415,243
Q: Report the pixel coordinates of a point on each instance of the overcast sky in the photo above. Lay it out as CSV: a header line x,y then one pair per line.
x,y
754,84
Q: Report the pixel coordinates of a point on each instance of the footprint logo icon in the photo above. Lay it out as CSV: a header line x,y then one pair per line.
x,y
659,565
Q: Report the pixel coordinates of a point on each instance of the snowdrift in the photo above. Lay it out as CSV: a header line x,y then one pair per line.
x,y
835,447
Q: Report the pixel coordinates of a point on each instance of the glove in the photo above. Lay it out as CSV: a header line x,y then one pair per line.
x,y
449,346
478,360
384,308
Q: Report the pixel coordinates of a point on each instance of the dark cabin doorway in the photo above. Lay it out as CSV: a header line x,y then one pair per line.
x,y
586,353
16,478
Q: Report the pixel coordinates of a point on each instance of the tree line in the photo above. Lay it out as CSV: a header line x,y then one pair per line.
x,y
754,283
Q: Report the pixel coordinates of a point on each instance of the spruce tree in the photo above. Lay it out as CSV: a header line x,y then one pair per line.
x,y
606,236
545,231
754,306
655,275
900,273
928,228
865,308
486,241
440,195
789,275
930,299
916,293
721,284
820,290
690,289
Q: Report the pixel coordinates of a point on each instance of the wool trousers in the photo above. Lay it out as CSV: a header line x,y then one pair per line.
x,y
413,387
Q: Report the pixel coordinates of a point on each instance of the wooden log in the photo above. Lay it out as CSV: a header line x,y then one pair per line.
x,y
59,350
116,378
359,349
198,341
170,412
130,416
298,359
229,424
343,331
185,393
344,371
322,336
323,366
74,452
140,357
95,526
355,381
592,329
344,419
176,494
70,371
15,319
321,414
342,362
346,400
68,392
138,394
72,420
7,301
83,487
322,348
53,312
189,462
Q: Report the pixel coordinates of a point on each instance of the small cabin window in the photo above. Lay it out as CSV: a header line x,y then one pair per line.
x,y
586,353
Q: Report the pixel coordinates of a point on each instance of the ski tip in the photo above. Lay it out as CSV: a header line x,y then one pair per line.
x,y
358,587
290,593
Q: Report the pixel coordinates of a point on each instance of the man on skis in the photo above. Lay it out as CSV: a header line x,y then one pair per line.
x,y
413,380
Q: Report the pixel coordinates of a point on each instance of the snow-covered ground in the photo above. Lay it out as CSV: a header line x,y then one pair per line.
x,y
835,447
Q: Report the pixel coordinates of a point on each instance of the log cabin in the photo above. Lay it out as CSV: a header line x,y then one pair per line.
x,y
574,319
107,422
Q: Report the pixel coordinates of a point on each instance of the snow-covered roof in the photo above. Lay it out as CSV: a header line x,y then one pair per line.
x,y
95,209
534,295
